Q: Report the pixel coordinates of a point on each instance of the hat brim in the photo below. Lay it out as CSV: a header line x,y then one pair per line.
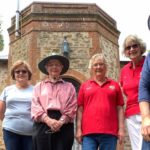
x,y
64,61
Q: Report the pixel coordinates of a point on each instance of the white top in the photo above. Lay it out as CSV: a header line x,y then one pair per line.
x,y
17,117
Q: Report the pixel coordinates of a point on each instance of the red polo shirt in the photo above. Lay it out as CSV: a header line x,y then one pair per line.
x,y
100,107
129,80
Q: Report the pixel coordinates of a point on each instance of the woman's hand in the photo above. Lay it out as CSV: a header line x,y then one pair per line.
x,y
54,124
78,136
121,135
145,130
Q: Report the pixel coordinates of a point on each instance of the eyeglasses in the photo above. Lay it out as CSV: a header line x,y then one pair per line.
x,y
98,65
54,65
131,46
21,71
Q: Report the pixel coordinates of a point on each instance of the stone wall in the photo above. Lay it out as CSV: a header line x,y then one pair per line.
x,y
3,82
88,29
78,61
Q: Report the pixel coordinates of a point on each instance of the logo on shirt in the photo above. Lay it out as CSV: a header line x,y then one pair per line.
x,y
112,87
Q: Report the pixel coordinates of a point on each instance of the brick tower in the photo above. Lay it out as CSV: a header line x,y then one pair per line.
x,y
87,29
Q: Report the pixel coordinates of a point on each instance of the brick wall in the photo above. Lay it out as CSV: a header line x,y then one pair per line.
x,y
88,29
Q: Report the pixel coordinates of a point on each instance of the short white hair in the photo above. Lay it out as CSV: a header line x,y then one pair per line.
x,y
95,57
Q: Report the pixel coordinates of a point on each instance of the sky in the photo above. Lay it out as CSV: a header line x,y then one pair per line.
x,y
131,16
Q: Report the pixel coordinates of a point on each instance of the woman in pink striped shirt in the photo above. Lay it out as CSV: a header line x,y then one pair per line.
x,y
53,107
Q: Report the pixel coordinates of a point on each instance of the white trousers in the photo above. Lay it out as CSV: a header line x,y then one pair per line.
x,y
134,131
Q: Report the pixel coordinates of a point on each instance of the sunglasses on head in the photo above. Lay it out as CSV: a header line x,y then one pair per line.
x,y
21,71
131,46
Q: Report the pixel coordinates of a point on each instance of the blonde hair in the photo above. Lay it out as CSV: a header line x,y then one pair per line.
x,y
135,39
95,57
16,65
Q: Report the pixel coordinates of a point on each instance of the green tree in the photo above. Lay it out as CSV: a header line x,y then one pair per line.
x,y
1,38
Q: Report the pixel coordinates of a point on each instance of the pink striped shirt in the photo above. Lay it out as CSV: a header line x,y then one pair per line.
x,y
54,96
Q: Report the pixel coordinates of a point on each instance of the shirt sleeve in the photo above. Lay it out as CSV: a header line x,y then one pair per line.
x,y
120,78
71,105
37,111
3,95
119,96
144,86
80,96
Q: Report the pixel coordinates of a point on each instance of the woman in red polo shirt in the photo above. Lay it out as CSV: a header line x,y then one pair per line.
x,y
133,48
100,116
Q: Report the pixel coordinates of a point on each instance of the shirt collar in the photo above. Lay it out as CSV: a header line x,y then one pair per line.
x,y
141,62
58,81
107,81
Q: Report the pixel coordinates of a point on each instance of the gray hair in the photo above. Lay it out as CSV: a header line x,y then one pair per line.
x,y
95,57
137,40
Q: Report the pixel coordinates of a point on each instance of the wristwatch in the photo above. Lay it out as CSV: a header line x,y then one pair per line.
x,y
62,120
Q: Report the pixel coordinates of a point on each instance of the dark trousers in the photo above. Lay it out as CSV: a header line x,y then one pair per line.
x,y
61,140
15,141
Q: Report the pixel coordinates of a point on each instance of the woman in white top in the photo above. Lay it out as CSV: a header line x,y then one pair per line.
x,y
15,108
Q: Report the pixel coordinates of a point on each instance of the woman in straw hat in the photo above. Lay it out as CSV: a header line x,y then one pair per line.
x,y
53,107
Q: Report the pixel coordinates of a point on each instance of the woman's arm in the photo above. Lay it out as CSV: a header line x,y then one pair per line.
x,y
2,109
69,111
144,98
145,113
121,131
79,124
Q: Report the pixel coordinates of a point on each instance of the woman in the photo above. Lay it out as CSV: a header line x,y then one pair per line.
x,y
53,107
15,108
134,48
100,116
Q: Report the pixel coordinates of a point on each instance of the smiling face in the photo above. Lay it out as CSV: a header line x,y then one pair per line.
x,y
21,74
98,67
133,47
54,68
133,50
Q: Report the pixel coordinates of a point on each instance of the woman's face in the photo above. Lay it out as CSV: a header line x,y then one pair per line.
x,y
133,50
98,68
54,67
21,74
